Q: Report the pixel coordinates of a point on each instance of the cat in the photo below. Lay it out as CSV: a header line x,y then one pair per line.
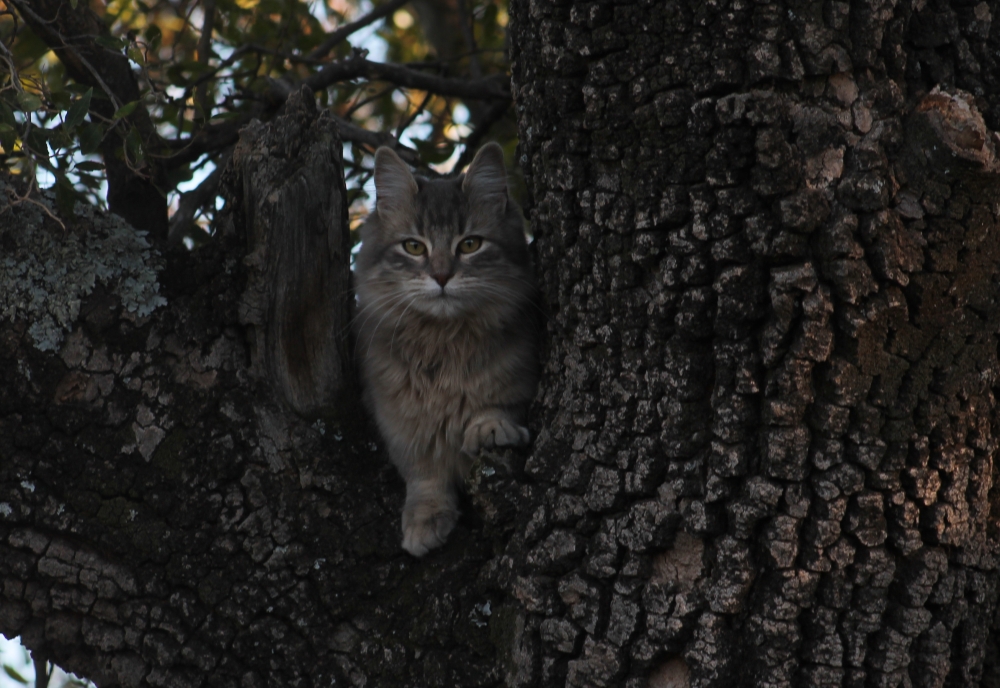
x,y
446,333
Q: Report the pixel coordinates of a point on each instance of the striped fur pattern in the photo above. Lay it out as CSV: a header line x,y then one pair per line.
x,y
446,329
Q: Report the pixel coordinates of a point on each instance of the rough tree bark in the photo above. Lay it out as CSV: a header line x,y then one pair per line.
x,y
768,429
765,439
189,494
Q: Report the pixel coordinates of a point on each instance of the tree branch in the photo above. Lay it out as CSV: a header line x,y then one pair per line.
x,y
341,33
209,139
196,199
358,66
86,73
355,134
204,51
214,137
491,117
70,33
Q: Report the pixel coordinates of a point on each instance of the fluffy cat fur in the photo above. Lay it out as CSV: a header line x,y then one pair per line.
x,y
446,332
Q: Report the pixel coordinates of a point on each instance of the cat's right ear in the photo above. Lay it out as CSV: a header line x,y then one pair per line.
x,y
395,187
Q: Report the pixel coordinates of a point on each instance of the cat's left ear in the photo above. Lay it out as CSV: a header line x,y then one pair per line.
x,y
486,180
395,187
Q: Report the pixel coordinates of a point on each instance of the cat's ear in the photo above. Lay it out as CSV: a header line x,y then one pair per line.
x,y
395,187
486,180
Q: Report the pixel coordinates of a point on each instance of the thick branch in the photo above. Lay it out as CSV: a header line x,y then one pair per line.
x,y
132,193
374,139
358,66
196,199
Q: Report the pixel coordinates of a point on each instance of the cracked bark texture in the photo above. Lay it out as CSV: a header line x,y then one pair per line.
x,y
189,495
765,437
767,235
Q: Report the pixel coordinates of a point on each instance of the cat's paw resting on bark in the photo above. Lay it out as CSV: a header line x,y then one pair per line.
x,y
495,429
429,515
447,329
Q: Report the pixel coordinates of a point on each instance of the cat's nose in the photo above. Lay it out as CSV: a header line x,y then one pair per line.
x,y
442,278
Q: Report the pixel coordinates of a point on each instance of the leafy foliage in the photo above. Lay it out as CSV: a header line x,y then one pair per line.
x,y
203,68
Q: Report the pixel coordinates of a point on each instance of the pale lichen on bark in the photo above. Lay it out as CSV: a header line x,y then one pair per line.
x,y
47,270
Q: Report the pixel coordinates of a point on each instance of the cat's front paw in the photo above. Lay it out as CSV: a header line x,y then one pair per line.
x,y
493,431
426,525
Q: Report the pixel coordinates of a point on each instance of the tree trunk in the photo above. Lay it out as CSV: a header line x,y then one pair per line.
x,y
764,442
768,425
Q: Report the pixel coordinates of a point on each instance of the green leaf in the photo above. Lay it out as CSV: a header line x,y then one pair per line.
x,y
153,35
89,181
181,173
133,143
30,47
222,117
10,671
110,42
8,141
66,196
195,68
431,153
9,129
125,110
59,97
136,56
490,16
7,115
29,102
60,138
37,142
79,110
90,136
88,166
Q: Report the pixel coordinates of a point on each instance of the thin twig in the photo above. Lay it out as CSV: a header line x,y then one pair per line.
x,y
43,670
373,139
24,9
491,117
204,52
407,120
466,20
340,34
196,199
375,96
26,198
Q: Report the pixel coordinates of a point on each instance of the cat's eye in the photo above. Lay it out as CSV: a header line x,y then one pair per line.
x,y
469,245
414,247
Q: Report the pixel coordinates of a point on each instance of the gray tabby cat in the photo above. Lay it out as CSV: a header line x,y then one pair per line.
x,y
446,337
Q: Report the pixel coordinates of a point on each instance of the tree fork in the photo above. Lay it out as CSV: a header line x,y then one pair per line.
x,y
167,514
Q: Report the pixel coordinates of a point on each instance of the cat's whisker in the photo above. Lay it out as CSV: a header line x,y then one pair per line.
x,y
392,300
378,325
353,288
508,294
392,339
467,363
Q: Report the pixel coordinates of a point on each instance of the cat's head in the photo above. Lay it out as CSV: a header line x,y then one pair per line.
x,y
444,248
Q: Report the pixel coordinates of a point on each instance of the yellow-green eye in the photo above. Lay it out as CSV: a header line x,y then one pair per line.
x,y
414,247
469,245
